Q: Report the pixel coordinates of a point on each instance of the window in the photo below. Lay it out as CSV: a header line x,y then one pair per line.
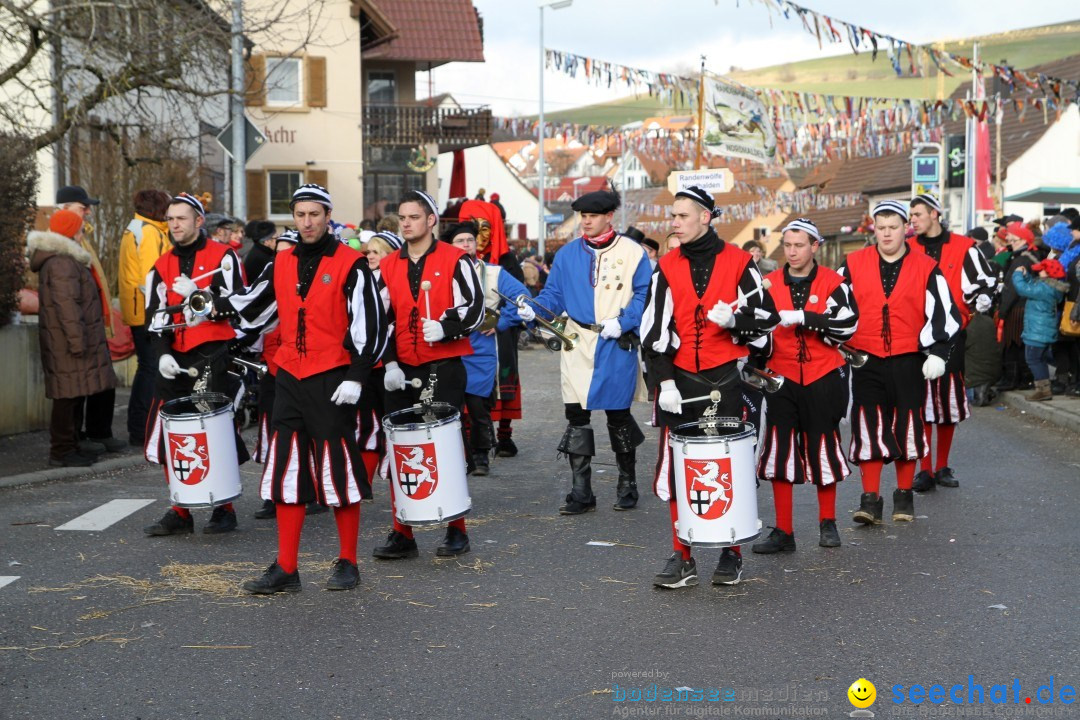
x,y
382,87
283,81
390,187
281,185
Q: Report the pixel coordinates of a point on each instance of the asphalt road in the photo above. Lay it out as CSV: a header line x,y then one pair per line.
x,y
537,623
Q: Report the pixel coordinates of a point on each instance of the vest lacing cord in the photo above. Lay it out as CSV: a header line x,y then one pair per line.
x,y
699,330
301,332
414,325
886,328
803,355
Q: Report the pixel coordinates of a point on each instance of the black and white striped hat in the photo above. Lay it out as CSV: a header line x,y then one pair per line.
x,y
191,200
893,206
928,200
806,225
702,198
430,202
390,239
312,193
289,236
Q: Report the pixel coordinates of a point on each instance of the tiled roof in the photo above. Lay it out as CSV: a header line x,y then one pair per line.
x,y
436,31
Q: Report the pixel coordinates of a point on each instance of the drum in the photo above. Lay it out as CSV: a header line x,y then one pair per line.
x,y
715,482
200,450
427,464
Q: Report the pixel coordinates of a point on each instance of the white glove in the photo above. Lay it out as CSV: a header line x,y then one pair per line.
x,y
982,303
191,319
526,313
433,331
792,317
722,314
670,397
611,329
394,379
168,367
933,368
184,286
347,393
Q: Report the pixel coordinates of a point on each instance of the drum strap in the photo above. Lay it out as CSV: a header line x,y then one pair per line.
x,y
726,380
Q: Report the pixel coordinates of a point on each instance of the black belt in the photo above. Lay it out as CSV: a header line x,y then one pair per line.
x,y
726,380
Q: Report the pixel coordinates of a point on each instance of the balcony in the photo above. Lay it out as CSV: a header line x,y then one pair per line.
x,y
448,127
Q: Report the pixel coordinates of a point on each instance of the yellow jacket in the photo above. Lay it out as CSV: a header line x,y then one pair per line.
x,y
144,241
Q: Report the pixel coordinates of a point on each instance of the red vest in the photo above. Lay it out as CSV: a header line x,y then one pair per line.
x,y
325,313
953,253
905,308
168,267
409,312
702,343
801,355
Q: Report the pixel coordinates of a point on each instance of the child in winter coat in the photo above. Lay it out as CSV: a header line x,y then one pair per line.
x,y
1043,294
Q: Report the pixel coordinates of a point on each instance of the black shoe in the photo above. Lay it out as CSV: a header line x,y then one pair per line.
x,y
274,580
221,521
944,478
924,482
506,448
870,508
135,441
830,536
480,465
90,448
1060,384
729,569
677,573
346,575
903,505
626,502
314,508
111,444
171,524
71,459
778,541
268,511
455,543
397,547
576,507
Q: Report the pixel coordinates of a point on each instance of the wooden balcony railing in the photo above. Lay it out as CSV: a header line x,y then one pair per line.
x,y
449,128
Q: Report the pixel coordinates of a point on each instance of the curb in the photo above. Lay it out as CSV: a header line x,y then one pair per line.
x,y
64,473
1043,411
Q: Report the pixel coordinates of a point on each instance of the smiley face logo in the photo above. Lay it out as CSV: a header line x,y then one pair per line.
x,y
862,693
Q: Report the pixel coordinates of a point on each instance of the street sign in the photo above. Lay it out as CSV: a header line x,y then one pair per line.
x,y
553,218
925,169
717,180
253,139
956,161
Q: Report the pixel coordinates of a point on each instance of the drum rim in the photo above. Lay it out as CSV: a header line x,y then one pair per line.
x,y
388,423
218,397
747,430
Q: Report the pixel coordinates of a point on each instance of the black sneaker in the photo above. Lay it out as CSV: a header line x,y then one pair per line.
x,y
830,536
729,569
626,502
870,509
71,459
924,482
778,541
506,448
576,507
171,524
944,478
903,503
397,547
677,573
480,465
268,511
274,580
221,521
455,543
346,575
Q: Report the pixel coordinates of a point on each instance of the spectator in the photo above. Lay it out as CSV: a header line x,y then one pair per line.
x,y
145,239
982,359
225,230
480,195
74,352
263,236
388,223
757,251
1043,294
1022,253
496,203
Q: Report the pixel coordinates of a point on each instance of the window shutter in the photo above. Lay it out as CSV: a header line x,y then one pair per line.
x,y
316,82
255,81
256,195
319,177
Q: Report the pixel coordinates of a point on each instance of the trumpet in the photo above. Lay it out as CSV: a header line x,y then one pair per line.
x,y
556,328
857,358
243,364
761,379
200,303
491,319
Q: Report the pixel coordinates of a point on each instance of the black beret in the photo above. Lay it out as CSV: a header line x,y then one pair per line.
x,y
978,233
599,202
462,227
260,229
634,234
649,242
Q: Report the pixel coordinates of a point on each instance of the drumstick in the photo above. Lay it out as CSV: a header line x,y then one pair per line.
x,y
190,372
426,287
226,265
416,382
765,285
714,397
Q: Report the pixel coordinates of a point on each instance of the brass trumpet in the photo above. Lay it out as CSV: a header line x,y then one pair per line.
x,y
200,303
243,364
761,379
555,327
857,358
491,319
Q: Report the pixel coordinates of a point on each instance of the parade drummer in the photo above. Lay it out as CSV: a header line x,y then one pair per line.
x,y
907,321
481,367
801,442
600,281
971,284
435,302
197,342
706,308
333,331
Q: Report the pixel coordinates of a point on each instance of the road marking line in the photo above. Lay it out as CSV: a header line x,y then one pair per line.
x,y
7,579
102,517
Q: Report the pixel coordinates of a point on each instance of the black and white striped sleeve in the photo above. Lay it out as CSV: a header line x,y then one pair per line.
x,y
942,317
255,307
977,277
756,314
390,353
231,278
366,339
659,336
837,324
468,310
155,301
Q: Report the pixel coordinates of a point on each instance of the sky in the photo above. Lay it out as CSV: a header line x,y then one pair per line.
x,y
671,35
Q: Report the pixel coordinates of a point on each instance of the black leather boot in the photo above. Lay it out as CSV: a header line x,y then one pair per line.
x,y
1009,377
624,441
578,444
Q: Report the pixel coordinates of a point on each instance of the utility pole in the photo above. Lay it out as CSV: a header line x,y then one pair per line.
x,y
239,124
700,115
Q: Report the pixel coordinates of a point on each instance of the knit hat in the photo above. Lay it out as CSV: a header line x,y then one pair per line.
x,y
66,223
890,206
312,193
701,197
1058,237
1052,267
1021,231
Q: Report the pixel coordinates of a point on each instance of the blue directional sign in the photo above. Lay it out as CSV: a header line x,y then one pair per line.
x,y
925,169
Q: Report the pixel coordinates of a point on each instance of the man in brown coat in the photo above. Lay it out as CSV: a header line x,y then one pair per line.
x,y
74,353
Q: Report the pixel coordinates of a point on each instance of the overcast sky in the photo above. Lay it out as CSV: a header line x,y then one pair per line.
x,y
671,35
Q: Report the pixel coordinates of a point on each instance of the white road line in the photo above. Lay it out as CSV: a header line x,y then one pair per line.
x,y
7,579
102,517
